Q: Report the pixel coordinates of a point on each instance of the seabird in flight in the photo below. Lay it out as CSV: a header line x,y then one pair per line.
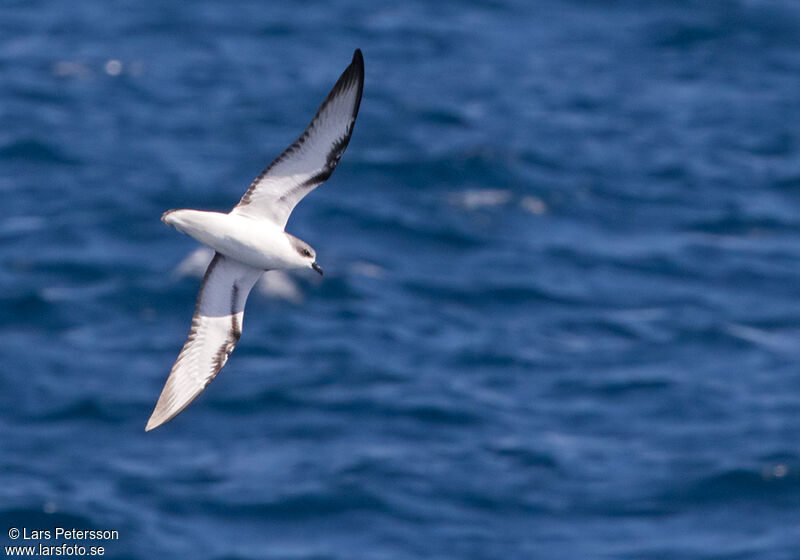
x,y
250,239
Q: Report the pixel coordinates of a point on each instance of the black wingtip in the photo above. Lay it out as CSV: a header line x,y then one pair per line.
x,y
356,66
353,74
358,63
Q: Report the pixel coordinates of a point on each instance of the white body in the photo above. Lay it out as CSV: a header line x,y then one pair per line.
x,y
261,244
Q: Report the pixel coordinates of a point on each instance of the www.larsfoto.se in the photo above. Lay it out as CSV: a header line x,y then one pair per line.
x,y
54,550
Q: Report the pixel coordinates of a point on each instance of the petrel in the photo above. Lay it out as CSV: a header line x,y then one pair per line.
x,y
250,239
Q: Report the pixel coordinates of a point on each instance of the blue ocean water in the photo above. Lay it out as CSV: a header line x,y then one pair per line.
x,y
560,316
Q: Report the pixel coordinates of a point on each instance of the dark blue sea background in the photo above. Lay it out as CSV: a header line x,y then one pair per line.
x,y
560,316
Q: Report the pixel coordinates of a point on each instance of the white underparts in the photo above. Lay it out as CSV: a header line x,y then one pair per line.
x,y
257,243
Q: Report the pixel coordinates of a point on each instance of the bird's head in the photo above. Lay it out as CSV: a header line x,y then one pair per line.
x,y
306,255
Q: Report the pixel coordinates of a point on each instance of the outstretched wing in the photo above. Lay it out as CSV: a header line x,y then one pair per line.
x,y
216,327
312,158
